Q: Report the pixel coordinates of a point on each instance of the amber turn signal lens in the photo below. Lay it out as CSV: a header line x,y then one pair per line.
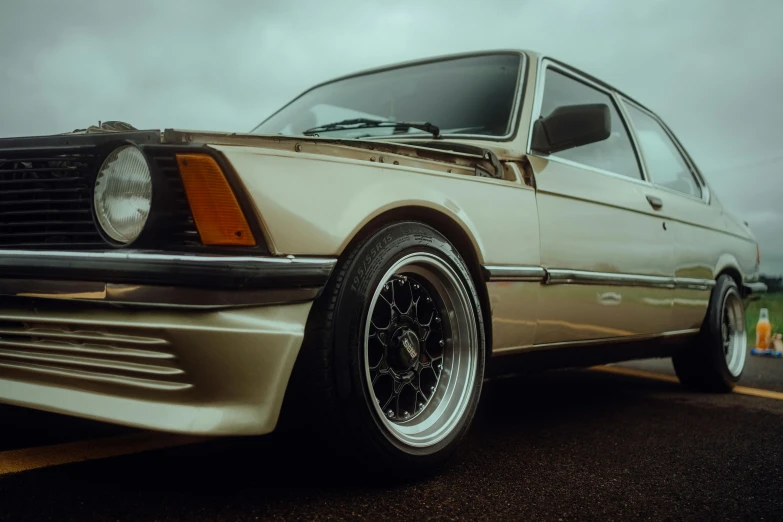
x,y
216,211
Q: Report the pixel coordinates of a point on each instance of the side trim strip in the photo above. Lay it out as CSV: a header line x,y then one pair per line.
x,y
559,276
590,342
688,283
515,273
555,276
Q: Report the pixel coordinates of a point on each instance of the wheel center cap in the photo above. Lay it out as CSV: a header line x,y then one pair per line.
x,y
405,353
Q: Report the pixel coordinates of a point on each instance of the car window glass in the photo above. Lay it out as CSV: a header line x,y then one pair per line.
x,y
614,154
471,95
665,164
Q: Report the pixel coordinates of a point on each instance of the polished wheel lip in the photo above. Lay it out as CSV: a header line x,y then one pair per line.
x,y
456,380
734,342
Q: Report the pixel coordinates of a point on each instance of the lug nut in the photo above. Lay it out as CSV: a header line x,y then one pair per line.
x,y
390,414
441,343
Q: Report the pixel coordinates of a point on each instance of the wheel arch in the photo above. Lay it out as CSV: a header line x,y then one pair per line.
x,y
729,266
734,273
458,234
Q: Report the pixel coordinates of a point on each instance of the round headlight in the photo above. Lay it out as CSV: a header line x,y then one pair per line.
x,y
123,194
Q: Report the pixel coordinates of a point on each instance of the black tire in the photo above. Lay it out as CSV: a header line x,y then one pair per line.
x,y
333,403
703,366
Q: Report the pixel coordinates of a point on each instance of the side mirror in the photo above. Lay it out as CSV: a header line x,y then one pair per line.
x,y
571,126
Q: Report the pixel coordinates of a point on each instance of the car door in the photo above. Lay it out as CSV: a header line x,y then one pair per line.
x,y
603,242
697,227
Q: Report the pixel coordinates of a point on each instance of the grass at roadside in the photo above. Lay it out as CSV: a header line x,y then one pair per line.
x,y
772,302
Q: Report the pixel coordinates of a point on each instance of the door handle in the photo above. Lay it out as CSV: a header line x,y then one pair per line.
x,y
655,203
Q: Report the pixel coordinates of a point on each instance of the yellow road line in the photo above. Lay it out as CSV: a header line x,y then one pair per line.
x,y
767,394
742,390
636,373
27,459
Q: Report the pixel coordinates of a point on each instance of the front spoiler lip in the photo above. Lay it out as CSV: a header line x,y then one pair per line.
x,y
155,278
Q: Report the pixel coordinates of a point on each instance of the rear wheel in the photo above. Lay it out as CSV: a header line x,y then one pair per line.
x,y
717,358
393,359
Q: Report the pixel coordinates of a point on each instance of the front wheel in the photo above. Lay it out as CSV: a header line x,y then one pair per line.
x,y
393,359
714,363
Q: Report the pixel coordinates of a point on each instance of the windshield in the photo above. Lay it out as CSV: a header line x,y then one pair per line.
x,y
472,95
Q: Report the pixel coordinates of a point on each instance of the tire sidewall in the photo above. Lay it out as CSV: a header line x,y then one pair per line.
x,y
375,257
712,335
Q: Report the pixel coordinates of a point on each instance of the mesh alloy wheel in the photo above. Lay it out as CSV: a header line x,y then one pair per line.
x,y
420,349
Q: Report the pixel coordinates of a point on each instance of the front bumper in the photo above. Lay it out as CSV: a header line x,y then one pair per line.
x,y
753,291
208,351
153,278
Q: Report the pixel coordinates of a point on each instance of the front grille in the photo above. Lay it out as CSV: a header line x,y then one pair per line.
x,y
45,201
182,228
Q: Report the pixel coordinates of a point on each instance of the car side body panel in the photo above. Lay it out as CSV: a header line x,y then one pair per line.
x,y
600,224
311,207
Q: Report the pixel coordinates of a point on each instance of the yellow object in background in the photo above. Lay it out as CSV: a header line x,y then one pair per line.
x,y
763,330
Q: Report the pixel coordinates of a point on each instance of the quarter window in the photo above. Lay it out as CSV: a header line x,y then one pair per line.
x,y
664,162
614,154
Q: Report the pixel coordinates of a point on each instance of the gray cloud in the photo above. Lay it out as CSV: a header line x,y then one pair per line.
x,y
708,67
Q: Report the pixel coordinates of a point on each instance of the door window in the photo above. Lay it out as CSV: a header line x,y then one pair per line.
x,y
614,154
665,164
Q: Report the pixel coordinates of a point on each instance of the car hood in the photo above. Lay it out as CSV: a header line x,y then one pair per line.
x,y
435,153
452,156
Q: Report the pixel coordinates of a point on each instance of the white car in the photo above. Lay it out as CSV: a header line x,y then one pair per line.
x,y
365,252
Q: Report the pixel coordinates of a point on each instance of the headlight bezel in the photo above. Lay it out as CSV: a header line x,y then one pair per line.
x,y
163,227
146,235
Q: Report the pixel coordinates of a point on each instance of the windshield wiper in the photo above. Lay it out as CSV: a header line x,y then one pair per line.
x,y
366,123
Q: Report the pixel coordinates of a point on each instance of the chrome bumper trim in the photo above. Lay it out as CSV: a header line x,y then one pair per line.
x,y
161,279
153,296
198,259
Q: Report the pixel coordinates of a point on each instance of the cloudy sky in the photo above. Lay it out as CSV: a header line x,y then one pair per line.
x,y
710,68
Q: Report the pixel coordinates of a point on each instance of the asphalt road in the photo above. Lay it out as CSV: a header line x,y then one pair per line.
x,y
567,445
